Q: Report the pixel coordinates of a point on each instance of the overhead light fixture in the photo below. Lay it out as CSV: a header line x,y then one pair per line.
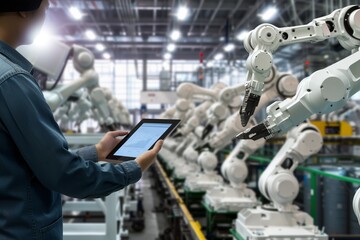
x,y
171,47
167,56
175,35
100,47
269,13
76,13
242,35
90,34
106,55
124,33
182,13
219,56
139,33
229,47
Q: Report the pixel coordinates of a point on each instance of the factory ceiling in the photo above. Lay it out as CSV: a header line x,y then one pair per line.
x,y
136,29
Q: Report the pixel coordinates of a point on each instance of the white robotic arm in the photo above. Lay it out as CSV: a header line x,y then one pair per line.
x,y
323,91
182,107
234,168
48,63
219,110
188,91
83,61
278,183
80,110
344,24
168,113
194,121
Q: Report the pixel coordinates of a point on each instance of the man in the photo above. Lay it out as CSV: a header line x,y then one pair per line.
x,y
35,164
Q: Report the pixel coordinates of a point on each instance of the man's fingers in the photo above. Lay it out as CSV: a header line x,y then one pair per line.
x,y
158,146
118,133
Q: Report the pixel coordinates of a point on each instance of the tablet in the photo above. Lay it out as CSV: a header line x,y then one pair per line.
x,y
142,138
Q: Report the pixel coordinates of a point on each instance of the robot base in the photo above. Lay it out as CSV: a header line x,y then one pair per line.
x,y
230,199
261,224
167,155
200,182
176,162
186,169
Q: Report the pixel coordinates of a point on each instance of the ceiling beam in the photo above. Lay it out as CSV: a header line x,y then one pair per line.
x,y
141,22
157,45
244,20
195,17
213,16
154,17
231,14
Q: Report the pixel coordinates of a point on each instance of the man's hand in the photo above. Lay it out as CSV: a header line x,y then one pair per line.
x,y
148,158
107,143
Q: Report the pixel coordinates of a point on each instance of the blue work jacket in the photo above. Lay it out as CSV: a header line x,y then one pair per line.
x,y
35,163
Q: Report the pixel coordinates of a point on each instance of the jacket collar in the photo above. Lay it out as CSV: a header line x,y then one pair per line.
x,y
15,57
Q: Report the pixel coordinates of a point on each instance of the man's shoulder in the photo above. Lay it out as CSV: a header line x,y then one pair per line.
x,y
9,69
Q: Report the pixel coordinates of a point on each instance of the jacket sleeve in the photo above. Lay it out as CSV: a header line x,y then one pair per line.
x,y
30,123
89,153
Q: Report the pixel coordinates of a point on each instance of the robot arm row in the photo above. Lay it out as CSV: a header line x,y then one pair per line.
x,y
277,85
344,24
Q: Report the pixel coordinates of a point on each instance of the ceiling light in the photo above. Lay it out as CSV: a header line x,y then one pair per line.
x,y
90,34
219,56
124,33
139,33
229,47
182,13
100,47
269,13
75,13
242,35
167,56
175,35
106,55
171,47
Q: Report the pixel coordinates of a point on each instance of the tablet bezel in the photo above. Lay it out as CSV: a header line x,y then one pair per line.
x,y
174,123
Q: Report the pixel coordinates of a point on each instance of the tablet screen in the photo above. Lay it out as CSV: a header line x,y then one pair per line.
x,y
144,137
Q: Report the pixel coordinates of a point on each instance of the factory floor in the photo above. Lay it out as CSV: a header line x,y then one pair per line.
x,y
155,222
